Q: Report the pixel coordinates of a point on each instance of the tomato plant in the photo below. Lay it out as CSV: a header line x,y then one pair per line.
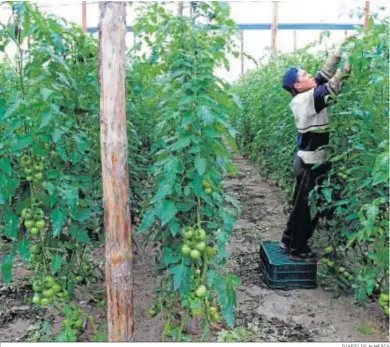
x,y
50,171
188,215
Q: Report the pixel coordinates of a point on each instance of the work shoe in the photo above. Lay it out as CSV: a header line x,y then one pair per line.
x,y
284,247
305,254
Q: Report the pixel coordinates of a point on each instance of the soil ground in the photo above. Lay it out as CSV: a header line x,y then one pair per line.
x,y
262,314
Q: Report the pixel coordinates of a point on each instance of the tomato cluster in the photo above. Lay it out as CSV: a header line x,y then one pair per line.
x,y
34,220
46,289
194,243
32,168
73,319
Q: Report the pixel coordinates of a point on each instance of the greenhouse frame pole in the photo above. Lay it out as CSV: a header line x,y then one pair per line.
x,y
366,15
84,15
274,26
242,51
114,154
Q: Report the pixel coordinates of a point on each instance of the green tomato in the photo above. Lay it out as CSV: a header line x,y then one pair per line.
x,y
28,170
212,310
29,178
201,235
35,249
384,297
211,251
78,324
341,269
206,184
328,250
201,246
86,268
45,301
48,293
201,291
195,254
152,312
29,223
346,274
36,299
26,213
208,191
25,160
331,263
56,288
39,167
37,287
186,250
38,176
67,322
188,234
40,224
34,231
79,279
197,272
38,214
215,317
49,281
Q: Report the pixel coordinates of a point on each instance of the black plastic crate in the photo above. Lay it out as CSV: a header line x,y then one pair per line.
x,y
280,272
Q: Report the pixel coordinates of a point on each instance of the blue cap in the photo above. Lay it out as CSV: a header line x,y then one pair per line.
x,y
289,78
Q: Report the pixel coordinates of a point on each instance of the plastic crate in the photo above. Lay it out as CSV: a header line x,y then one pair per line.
x,y
280,272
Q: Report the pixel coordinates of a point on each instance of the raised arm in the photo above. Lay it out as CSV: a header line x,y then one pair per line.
x,y
327,92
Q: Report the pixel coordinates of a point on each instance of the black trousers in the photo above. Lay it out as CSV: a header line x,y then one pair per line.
x,y
300,225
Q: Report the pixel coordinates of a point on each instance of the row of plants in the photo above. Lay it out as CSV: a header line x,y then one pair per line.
x,y
187,215
355,238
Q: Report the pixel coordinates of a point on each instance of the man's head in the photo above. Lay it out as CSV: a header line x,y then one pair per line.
x,y
297,81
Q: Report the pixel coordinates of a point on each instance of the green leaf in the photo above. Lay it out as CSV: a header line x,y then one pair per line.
x,y
58,218
57,133
162,192
169,257
5,166
81,215
79,234
56,263
147,221
23,248
11,224
167,211
200,165
206,115
181,143
21,142
6,267
179,272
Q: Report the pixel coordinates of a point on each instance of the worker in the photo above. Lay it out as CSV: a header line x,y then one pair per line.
x,y
311,98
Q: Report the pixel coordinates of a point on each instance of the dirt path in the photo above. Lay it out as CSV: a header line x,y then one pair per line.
x,y
277,315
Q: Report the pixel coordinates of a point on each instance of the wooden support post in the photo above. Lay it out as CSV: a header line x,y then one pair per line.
x,y
366,15
114,154
274,27
84,16
295,40
180,6
242,51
